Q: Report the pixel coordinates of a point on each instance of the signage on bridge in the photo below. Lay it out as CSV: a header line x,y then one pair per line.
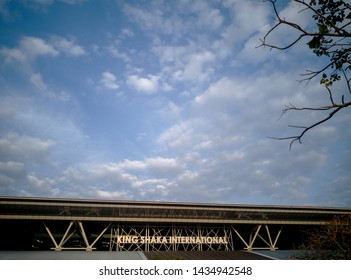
x,y
134,239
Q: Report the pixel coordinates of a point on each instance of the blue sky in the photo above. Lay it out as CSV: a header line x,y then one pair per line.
x,y
163,100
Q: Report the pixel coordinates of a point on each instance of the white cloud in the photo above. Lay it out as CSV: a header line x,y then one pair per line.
x,y
178,18
293,12
41,187
127,32
132,165
11,167
154,18
244,18
170,111
11,172
222,92
203,139
190,63
97,192
155,166
148,84
195,68
12,55
110,174
106,180
37,80
165,168
33,47
243,25
66,46
116,53
30,48
208,17
40,140
179,135
172,54
23,145
109,81
127,179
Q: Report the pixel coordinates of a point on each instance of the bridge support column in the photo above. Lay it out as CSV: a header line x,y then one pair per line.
x,y
271,244
67,235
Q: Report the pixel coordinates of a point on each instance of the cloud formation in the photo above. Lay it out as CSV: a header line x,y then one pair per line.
x,y
108,81
193,102
148,84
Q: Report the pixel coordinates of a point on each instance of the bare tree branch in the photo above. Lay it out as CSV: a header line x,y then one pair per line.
x,y
298,138
347,81
330,95
332,40
280,21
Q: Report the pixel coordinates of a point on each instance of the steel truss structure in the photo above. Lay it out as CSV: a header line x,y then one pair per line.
x,y
73,227
268,239
77,224
166,238
170,238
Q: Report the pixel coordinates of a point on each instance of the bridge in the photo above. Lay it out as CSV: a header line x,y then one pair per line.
x,y
93,225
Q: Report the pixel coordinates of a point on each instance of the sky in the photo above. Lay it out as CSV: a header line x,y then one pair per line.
x,y
164,101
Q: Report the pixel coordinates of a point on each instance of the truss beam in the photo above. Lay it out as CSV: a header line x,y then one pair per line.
x,y
68,235
170,238
250,244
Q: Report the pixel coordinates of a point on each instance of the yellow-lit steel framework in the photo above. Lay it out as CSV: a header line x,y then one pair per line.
x,y
162,226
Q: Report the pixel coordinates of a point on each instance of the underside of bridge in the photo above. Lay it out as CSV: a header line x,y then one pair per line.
x,y
102,236
95,225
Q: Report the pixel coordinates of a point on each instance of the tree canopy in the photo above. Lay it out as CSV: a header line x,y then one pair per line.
x,y
330,37
331,241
